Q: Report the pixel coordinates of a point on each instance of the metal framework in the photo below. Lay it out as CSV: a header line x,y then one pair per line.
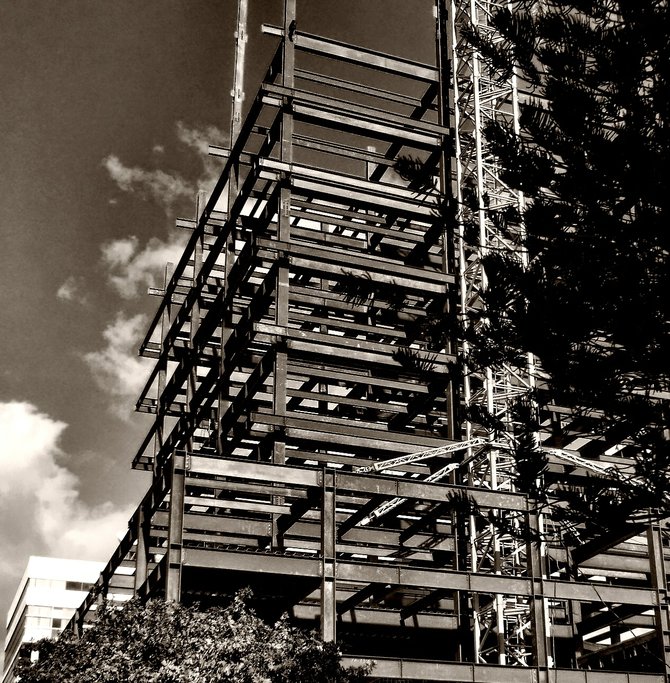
x,y
309,442
502,623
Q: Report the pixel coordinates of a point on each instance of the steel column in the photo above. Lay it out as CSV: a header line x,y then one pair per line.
x,y
328,559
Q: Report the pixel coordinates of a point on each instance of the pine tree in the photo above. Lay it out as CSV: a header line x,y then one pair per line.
x,y
593,302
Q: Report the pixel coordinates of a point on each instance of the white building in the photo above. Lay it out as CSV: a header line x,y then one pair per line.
x,y
49,593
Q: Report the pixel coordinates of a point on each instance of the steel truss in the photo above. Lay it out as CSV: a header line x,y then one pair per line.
x,y
290,363
502,623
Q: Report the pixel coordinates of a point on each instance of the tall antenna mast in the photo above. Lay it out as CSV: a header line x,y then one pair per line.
x,y
237,92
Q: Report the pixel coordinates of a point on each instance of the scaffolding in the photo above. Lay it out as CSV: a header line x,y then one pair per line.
x,y
309,442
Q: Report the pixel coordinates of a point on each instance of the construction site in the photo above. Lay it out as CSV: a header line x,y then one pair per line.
x,y
308,441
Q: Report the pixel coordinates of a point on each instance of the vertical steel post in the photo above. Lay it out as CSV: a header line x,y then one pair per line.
x,y
449,178
283,235
284,208
447,190
237,95
175,548
141,550
538,611
194,324
328,563
166,320
237,91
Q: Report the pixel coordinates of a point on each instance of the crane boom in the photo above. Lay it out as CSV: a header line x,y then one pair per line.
x,y
573,459
395,502
557,453
422,455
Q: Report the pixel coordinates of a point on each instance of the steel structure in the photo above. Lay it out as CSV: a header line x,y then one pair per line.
x,y
309,442
501,622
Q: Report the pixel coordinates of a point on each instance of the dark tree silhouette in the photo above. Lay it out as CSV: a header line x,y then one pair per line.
x,y
593,302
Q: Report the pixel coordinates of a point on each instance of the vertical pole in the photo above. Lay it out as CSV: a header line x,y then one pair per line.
x,y
284,212
175,528
286,144
192,380
166,319
159,468
178,465
237,92
450,178
538,611
328,549
499,599
446,188
141,551
498,602
237,95
283,235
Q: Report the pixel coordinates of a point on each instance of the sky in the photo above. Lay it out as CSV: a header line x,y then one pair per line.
x,y
106,110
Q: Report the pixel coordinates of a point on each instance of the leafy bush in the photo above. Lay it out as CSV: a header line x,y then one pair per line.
x,y
162,642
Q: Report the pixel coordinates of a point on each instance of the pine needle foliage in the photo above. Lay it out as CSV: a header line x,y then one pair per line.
x,y
593,302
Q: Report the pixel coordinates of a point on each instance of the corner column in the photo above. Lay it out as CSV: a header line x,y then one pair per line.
x,y
538,611
280,369
328,560
142,550
175,528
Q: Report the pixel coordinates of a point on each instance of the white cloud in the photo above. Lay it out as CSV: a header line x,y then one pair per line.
x,y
120,252
71,290
116,368
40,505
165,188
131,270
200,138
168,188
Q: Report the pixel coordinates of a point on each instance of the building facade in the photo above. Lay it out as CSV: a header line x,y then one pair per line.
x,y
50,591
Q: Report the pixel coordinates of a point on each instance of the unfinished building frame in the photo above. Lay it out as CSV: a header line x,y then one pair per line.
x,y
293,375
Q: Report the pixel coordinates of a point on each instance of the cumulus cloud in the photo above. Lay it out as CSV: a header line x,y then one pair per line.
x,y
40,504
116,368
131,269
168,188
200,138
72,290
165,188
